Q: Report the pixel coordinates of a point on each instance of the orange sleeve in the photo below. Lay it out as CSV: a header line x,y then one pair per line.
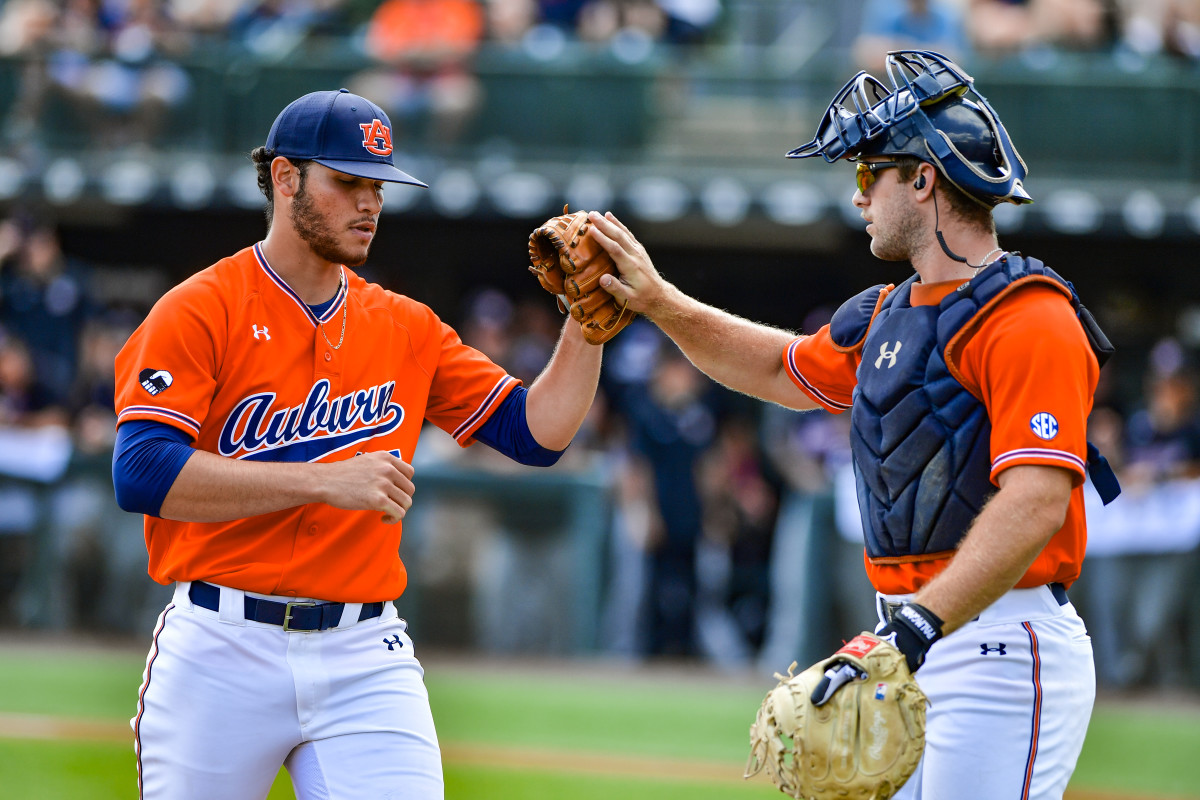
x,y
1031,365
167,371
467,386
821,371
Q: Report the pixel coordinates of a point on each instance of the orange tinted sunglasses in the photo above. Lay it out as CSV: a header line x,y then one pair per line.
x,y
864,172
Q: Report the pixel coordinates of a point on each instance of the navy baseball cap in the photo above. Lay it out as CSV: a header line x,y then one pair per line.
x,y
341,131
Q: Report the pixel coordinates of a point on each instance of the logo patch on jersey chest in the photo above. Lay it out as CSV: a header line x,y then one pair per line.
x,y
155,380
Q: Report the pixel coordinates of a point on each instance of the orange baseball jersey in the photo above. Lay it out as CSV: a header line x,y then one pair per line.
x,y
234,357
1027,357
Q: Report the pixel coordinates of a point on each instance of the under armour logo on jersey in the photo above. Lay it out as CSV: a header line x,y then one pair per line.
x,y
155,380
890,355
377,138
395,640
985,648
262,331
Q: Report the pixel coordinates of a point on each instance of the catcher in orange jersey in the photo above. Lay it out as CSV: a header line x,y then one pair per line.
x,y
268,409
969,386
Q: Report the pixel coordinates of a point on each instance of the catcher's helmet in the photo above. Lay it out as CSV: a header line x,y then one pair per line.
x,y
926,113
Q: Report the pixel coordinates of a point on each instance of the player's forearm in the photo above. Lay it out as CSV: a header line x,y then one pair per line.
x,y
559,400
1006,537
743,355
210,488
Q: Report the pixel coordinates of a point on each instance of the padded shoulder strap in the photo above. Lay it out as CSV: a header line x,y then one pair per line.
x,y
849,324
1018,272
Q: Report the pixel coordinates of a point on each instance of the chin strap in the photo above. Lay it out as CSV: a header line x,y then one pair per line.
x,y
937,224
946,249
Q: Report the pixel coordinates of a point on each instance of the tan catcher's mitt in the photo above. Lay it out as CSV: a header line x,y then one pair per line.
x,y
862,742
569,264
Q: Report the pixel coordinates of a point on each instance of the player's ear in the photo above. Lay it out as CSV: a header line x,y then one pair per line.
x,y
286,176
925,176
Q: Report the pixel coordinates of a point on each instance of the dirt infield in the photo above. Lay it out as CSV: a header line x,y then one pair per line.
x,y
53,728
44,727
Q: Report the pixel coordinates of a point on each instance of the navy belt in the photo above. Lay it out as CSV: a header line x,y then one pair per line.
x,y
889,607
1060,593
293,616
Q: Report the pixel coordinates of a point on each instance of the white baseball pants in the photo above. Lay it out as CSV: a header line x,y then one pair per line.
x,y
225,702
1010,697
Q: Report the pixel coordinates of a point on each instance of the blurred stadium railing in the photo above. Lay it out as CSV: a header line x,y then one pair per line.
x,y
690,139
664,134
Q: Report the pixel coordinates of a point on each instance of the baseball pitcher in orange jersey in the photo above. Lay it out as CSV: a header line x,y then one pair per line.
x,y
268,408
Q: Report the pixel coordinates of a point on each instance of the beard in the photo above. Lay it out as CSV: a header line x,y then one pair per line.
x,y
315,230
905,237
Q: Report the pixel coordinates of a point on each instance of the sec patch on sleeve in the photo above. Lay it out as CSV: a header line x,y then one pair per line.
x,y
1044,425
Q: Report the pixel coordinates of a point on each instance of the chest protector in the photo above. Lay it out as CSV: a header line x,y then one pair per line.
x,y
921,441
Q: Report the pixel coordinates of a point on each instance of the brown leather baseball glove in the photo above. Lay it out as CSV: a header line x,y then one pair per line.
x,y
569,264
851,727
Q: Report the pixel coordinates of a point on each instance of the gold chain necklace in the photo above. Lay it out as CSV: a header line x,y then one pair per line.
x,y
345,302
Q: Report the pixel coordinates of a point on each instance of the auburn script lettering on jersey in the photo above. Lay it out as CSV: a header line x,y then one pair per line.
x,y
233,357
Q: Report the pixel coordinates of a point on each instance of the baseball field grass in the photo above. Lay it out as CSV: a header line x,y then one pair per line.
x,y
529,731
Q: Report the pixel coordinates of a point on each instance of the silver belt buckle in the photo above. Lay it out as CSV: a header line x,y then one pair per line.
x,y
287,615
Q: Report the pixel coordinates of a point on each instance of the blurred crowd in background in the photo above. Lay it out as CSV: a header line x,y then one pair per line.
x,y
732,534
118,62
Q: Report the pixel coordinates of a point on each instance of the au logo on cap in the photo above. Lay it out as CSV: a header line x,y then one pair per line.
x,y
377,137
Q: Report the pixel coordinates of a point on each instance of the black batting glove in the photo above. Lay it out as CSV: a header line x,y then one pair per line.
x,y
912,631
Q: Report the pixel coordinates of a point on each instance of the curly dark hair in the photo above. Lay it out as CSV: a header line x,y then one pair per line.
x,y
262,159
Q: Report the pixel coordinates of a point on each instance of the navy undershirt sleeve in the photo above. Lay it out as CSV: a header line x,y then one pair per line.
x,y
507,432
147,458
